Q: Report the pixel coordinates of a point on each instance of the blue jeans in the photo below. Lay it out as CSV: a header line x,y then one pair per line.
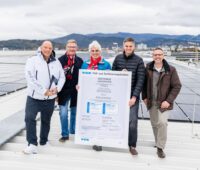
x,y
65,130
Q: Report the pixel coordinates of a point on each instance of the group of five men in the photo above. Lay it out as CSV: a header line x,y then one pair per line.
x,y
48,78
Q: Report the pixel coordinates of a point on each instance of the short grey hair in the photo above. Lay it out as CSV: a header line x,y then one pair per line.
x,y
94,44
71,41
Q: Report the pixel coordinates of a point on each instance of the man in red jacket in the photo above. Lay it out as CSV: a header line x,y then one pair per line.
x,y
161,87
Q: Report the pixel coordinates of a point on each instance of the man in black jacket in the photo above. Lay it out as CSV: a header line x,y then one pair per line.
x,y
128,61
71,64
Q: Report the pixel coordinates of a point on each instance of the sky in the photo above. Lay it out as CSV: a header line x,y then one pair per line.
x,y
44,19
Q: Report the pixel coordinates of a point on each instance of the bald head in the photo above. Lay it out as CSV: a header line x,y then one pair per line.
x,y
46,43
46,49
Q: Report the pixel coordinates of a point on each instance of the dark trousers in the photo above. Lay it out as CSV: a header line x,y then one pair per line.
x,y
33,106
133,125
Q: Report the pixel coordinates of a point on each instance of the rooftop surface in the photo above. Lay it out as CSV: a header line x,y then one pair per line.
x,y
182,147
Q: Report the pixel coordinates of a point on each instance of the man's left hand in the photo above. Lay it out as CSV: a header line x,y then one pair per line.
x,y
54,91
165,105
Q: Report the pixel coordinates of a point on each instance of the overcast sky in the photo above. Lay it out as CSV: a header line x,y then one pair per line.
x,y
43,19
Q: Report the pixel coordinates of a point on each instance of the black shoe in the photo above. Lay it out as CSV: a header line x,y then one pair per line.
x,y
160,153
97,148
63,139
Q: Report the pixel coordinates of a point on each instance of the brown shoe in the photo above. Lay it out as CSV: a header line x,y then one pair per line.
x,y
133,151
160,153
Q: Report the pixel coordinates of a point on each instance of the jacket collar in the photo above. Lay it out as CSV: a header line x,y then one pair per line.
x,y
66,58
101,62
165,65
130,56
51,58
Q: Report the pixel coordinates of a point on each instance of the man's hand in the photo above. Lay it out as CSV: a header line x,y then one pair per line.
x,y
77,87
124,69
48,93
132,101
165,105
145,101
56,99
54,91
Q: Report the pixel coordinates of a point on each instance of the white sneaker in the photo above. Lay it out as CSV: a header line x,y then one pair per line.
x,y
48,144
31,149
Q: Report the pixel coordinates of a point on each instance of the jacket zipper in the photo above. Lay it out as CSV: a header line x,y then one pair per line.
x,y
159,81
49,76
36,79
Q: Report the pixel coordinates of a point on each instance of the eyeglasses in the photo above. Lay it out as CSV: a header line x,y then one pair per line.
x,y
157,54
71,46
130,46
95,51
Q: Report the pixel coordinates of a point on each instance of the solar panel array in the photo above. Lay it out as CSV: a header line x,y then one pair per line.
x,y
187,104
11,78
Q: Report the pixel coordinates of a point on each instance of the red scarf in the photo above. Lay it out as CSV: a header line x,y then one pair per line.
x,y
68,67
70,60
94,63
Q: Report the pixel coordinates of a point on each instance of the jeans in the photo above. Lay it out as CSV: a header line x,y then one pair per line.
x,y
33,106
133,124
65,130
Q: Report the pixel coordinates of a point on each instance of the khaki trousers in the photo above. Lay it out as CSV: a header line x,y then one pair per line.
x,y
159,125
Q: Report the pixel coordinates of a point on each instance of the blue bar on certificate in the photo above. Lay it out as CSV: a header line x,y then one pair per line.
x,y
88,107
104,108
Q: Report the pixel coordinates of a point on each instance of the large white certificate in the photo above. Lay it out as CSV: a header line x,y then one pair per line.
x,y
102,108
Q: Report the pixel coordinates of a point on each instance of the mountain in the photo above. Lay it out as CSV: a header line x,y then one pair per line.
x,y
85,40
22,44
144,37
106,40
82,40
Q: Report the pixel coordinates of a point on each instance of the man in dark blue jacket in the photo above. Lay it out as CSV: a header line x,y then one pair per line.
x,y
128,61
71,64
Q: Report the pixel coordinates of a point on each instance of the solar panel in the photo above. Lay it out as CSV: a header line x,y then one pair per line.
x,y
2,93
188,99
11,87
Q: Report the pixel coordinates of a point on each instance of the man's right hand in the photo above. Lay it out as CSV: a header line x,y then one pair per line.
x,y
145,101
77,87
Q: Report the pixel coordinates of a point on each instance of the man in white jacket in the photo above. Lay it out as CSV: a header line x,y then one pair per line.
x,y
45,78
